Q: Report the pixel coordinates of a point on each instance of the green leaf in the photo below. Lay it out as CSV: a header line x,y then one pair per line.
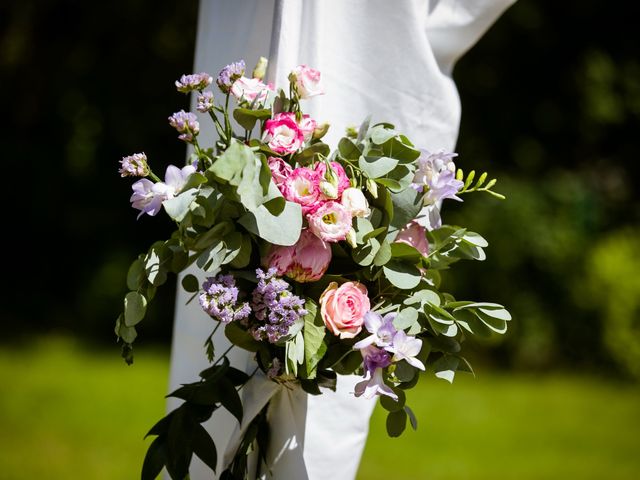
x,y
179,451
376,167
155,459
380,135
406,318
135,307
211,259
214,234
306,156
405,251
475,239
405,372
406,206
283,229
365,254
229,398
348,150
136,274
391,405
154,265
412,418
383,255
244,254
178,207
402,275
396,423
240,337
190,283
423,297
204,447
445,367
314,332
247,118
128,334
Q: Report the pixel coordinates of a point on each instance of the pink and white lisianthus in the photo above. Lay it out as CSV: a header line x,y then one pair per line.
x,y
354,200
301,187
280,171
282,134
307,126
336,176
307,81
251,89
306,261
330,221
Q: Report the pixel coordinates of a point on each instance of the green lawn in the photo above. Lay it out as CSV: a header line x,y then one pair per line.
x,y
68,412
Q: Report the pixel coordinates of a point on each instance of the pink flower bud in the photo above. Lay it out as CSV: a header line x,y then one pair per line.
x,y
415,235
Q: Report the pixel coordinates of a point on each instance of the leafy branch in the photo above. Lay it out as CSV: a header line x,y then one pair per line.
x,y
479,186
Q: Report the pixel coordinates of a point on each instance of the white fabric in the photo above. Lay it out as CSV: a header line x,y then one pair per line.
x,y
390,59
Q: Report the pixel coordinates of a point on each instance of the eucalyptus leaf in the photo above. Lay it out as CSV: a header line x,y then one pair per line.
x,y
190,283
178,206
402,275
376,167
135,308
283,229
396,423
314,332
406,318
445,367
240,337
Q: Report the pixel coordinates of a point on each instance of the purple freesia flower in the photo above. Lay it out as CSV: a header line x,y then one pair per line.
x,y
230,74
148,196
406,347
195,81
220,299
375,360
380,328
437,172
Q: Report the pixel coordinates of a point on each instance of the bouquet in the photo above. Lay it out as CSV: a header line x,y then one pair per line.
x,y
320,261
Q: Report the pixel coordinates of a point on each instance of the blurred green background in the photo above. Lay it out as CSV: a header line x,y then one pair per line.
x,y
551,107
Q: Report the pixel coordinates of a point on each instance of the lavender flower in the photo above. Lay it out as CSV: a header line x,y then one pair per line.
x,y
220,299
205,102
195,81
230,74
186,123
380,328
275,308
375,360
134,166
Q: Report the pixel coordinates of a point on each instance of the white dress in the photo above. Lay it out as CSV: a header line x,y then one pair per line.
x,y
389,59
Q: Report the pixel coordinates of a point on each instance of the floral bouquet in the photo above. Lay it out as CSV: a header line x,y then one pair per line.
x,y
321,261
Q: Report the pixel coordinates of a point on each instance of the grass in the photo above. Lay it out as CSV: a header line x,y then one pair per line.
x,y
68,412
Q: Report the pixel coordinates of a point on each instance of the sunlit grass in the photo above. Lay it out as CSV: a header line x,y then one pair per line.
x,y
68,412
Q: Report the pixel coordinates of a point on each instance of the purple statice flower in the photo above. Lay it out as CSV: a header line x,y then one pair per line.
x,y
275,308
375,360
380,328
134,166
220,299
230,74
195,81
186,123
205,102
405,347
148,196
437,172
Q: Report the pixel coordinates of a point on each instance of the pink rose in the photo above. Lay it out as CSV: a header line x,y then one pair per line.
x,y
250,88
341,180
343,308
307,81
306,261
301,187
331,222
415,235
280,171
282,134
